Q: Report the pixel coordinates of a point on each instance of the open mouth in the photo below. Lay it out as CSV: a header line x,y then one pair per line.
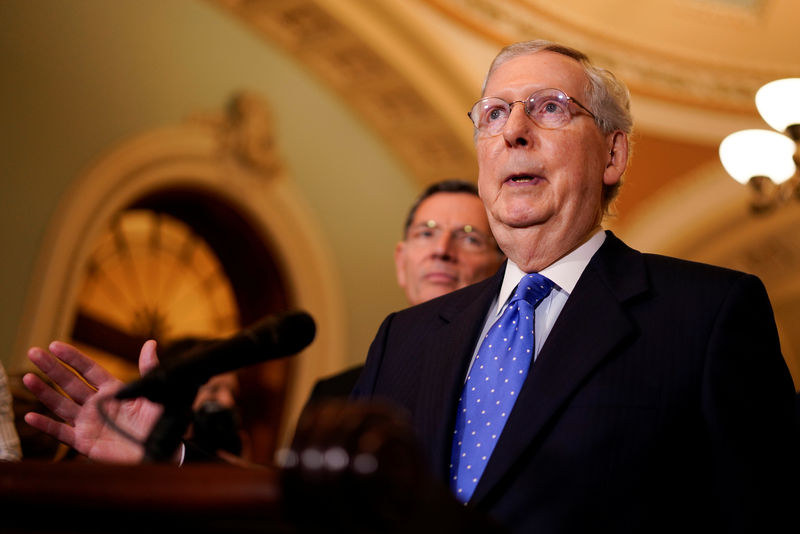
x,y
522,178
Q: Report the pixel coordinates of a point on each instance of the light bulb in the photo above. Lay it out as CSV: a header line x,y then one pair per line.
x,y
778,102
749,153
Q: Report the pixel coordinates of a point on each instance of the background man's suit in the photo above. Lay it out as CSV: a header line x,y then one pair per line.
x,y
660,400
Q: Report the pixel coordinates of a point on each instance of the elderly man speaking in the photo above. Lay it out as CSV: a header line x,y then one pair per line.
x,y
588,387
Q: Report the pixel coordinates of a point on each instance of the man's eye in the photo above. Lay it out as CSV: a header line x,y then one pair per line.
x,y
552,107
471,240
495,114
423,233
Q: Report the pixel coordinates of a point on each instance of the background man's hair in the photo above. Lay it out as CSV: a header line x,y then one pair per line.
x,y
453,185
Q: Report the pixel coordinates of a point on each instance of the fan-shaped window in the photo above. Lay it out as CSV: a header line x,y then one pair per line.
x,y
178,264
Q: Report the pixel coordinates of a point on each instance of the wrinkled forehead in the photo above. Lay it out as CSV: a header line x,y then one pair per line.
x,y
538,70
452,209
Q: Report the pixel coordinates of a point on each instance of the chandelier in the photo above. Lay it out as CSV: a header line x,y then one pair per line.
x,y
768,160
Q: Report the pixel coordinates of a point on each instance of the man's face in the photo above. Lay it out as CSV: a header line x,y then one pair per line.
x,y
530,176
221,389
448,246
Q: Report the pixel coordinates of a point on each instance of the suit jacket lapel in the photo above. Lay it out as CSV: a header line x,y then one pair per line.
x,y
446,365
615,274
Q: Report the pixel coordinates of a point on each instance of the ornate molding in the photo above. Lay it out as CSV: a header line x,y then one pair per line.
x,y
245,134
409,124
248,134
665,67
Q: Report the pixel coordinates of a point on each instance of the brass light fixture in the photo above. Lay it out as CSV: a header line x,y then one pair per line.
x,y
767,160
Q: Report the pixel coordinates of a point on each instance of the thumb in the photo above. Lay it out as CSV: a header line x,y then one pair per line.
x,y
148,359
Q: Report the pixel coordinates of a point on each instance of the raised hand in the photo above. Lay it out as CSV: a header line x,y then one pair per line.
x,y
83,427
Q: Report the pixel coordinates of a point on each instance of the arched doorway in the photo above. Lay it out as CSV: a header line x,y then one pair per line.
x,y
216,180
182,263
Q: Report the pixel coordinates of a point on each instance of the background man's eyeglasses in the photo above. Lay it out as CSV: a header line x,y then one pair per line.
x,y
466,238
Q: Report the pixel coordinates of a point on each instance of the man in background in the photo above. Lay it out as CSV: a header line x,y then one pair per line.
x,y
447,245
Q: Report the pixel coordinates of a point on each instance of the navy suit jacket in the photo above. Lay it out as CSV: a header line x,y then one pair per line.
x,y
660,400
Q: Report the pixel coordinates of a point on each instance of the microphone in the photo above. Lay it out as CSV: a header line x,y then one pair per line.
x,y
272,337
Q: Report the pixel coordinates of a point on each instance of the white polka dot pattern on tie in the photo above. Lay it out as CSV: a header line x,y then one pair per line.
x,y
499,370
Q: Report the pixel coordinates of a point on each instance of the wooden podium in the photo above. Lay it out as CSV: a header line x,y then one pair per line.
x,y
83,497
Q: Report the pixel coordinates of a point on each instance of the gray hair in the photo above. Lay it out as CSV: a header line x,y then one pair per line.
x,y
607,96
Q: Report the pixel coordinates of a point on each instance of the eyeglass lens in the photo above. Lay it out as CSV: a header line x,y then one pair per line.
x,y
466,238
548,108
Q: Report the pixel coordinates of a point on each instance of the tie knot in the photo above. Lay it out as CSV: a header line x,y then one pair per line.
x,y
533,287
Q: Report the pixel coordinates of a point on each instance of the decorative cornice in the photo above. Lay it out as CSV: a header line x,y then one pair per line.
x,y
408,123
661,70
247,134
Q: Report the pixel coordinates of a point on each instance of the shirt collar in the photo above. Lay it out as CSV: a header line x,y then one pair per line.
x,y
564,272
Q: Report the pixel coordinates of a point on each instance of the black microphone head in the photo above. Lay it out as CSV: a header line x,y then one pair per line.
x,y
282,334
272,337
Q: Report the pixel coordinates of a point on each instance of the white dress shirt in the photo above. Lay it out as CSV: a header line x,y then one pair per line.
x,y
564,273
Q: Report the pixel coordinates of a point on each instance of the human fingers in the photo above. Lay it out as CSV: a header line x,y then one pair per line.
x,y
95,374
65,378
148,359
61,431
62,406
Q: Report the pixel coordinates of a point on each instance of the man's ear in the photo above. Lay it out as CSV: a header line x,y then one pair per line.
x,y
617,158
400,263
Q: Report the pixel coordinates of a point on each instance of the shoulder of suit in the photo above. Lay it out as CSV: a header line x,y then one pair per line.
x,y
670,263
696,268
629,272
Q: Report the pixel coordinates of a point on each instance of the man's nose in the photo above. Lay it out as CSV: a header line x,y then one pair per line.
x,y
518,129
445,245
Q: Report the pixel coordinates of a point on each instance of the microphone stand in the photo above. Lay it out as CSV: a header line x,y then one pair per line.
x,y
165,436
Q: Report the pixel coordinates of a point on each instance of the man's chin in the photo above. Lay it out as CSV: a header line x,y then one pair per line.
x,y
526,217
434,290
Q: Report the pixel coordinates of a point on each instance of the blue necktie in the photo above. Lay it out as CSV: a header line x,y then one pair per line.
x,y
492,385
